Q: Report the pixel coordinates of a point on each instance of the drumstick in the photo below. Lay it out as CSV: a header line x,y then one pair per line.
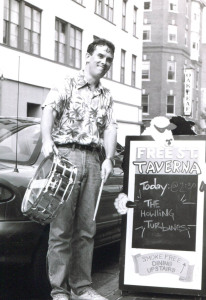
x,y
98,199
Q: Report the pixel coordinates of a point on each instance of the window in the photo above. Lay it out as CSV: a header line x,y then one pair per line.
x,y
170,104
197,80
25,143
122,71
195,45
173,5
105,9
32,26
172,33
60,41
23,33
75,45
133,76
68,44
187,8
11,23
146,33
33,110
147,5
145,104
186,38
124,5
145,70
171,70
135,21
99,7
196,108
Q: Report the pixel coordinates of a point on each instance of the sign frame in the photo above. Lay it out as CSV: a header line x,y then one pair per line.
x,y
140,288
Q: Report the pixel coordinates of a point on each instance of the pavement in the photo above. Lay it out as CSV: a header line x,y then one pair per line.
x,y
106,280
112,292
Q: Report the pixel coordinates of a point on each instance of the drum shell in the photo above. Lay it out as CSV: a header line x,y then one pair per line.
x,y
57,188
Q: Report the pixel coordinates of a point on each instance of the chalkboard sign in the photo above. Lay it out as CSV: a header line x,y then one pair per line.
x,y
163,235
165,214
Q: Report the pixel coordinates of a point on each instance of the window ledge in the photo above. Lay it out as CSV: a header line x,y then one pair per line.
x,y
105,19
79,3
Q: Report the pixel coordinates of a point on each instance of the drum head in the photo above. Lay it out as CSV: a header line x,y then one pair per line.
x,y
37,184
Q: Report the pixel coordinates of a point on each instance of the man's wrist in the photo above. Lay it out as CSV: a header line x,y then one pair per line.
x,y
109,157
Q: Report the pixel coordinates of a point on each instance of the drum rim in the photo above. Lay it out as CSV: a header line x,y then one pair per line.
x,y
25,200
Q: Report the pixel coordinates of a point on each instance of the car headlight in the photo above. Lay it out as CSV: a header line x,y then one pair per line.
x,y
5,194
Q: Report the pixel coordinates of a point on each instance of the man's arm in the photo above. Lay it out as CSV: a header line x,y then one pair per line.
x,y
110,142
47,123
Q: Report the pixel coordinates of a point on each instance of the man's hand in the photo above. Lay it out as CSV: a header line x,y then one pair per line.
x,y
48,148
107,169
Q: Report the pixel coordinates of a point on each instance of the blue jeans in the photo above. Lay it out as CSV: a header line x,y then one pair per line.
x,y
71,235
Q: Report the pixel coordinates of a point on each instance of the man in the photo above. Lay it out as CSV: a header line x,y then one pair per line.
x,y
77,119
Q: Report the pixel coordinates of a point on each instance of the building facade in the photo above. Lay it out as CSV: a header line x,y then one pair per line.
x,y
42,41
203,75
172,59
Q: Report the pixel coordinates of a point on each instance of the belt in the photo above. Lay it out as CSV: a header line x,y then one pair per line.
x,y
80,147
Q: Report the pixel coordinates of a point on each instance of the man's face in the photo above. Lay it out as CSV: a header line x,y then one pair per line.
x,y
100,61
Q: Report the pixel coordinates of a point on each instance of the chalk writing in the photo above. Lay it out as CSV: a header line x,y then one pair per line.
x,y
154,185
165,214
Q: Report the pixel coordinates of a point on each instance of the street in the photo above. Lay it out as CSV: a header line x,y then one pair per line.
x,y
14,281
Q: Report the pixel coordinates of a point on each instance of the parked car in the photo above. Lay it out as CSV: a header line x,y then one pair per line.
x,y
22,240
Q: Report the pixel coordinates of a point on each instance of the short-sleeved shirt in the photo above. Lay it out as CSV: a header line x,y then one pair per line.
x,y
82,114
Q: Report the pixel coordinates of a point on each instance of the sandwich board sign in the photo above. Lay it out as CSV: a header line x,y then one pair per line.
x,y
163,246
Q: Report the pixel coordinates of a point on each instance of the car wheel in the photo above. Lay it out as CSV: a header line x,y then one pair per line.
x,y
39,278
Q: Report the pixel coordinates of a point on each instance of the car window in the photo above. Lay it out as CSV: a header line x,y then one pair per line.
x,y
25,141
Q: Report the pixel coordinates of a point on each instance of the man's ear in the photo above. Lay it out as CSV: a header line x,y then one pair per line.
x,y
87,57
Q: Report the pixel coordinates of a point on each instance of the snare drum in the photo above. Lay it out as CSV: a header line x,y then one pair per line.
x,y
49,189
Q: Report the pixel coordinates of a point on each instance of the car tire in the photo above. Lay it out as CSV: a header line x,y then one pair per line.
x,y
39,279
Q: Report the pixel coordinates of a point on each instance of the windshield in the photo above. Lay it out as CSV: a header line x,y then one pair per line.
x,y
25,140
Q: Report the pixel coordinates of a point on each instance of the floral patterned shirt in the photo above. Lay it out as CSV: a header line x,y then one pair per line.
x,y
82,114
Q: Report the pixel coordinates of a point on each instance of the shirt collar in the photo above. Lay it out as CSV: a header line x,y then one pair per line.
x,y
82,82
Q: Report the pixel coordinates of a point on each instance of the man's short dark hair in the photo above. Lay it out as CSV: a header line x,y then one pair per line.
x,y
100,42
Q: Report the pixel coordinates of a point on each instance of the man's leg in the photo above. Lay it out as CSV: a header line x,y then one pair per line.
x,y
61,228
84,226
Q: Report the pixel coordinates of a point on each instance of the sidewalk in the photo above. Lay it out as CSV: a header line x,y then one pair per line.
x,y
106,280
109,288
117,295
